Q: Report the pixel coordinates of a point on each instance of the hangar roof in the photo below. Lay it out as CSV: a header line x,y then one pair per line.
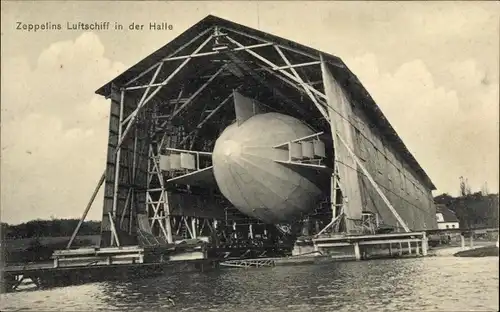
x,y
350,82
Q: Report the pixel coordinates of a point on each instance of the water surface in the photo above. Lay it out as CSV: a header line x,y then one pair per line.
x,y
421,284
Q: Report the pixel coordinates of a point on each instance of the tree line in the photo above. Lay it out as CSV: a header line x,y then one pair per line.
x,y
473,210
49,228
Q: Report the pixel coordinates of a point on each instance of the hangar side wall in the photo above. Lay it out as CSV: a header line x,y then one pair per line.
x,y
408,193
125,174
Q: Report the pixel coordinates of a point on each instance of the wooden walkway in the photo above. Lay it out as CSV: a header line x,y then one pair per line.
x,y
249,263
92,264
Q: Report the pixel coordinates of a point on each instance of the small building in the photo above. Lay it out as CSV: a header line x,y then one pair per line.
x,y
446,219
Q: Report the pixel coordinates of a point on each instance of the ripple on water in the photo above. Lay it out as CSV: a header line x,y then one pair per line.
x,y
425,284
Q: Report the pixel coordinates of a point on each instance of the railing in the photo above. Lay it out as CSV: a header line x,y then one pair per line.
x,y
249,263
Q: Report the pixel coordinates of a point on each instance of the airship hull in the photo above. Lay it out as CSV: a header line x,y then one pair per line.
x,y
248,176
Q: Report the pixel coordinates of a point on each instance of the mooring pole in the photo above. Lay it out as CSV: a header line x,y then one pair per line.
x,y
96,190
357,252
425,245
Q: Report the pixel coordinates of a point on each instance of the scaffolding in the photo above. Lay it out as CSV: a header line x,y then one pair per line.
x,y
174,104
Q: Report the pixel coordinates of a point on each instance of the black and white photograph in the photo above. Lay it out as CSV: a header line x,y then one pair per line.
x,y
249,156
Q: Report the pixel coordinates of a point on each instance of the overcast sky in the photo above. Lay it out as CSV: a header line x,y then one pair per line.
x,y
433,68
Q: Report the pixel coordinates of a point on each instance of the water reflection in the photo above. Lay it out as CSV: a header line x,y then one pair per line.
x,y
431,284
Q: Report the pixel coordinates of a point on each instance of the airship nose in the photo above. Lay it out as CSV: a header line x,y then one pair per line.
x,y
230,149
248,176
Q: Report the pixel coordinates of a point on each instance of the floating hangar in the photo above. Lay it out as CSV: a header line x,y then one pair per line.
x,y
246,141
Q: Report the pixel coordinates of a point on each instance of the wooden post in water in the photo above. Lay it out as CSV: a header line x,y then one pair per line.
x,y
357,253
424,245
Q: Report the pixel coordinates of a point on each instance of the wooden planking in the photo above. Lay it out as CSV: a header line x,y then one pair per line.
x,y
395,180
339,109
126,167
194,205
399,182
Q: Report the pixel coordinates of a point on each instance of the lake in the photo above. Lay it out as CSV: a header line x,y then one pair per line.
x,y
419,284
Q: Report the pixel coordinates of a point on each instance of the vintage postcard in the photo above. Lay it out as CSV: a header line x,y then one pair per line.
x,y
249,156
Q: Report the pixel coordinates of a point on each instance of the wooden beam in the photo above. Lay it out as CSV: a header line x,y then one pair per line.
x,y
122,217
273,66
170,55
301,82
296,65
207,118
118,154
374,184
263,81
165,82
144,94
312,56
215,110
113,230
86,211
193,96
149,85
217,52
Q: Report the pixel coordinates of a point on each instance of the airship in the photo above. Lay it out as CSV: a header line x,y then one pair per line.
x,y
267,164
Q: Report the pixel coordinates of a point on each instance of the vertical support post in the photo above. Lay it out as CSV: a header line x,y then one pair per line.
x,y
334,186
166,209
193,225
333,192
462,241
409,248
166,204
390,249
400,249
132,195
114,235
417,249
117,159
471,239
424,245
357,252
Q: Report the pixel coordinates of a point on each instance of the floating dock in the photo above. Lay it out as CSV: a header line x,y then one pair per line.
x,y
366,246
81,265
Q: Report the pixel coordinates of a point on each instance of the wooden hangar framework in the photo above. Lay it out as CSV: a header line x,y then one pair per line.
x,y
177,101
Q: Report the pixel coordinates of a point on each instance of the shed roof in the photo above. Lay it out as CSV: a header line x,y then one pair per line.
x,y
448,215
352,85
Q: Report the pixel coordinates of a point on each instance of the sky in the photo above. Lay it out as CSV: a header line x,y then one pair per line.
x,y
433,68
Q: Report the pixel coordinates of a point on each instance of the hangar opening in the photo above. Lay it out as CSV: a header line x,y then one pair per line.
x,y
247,141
